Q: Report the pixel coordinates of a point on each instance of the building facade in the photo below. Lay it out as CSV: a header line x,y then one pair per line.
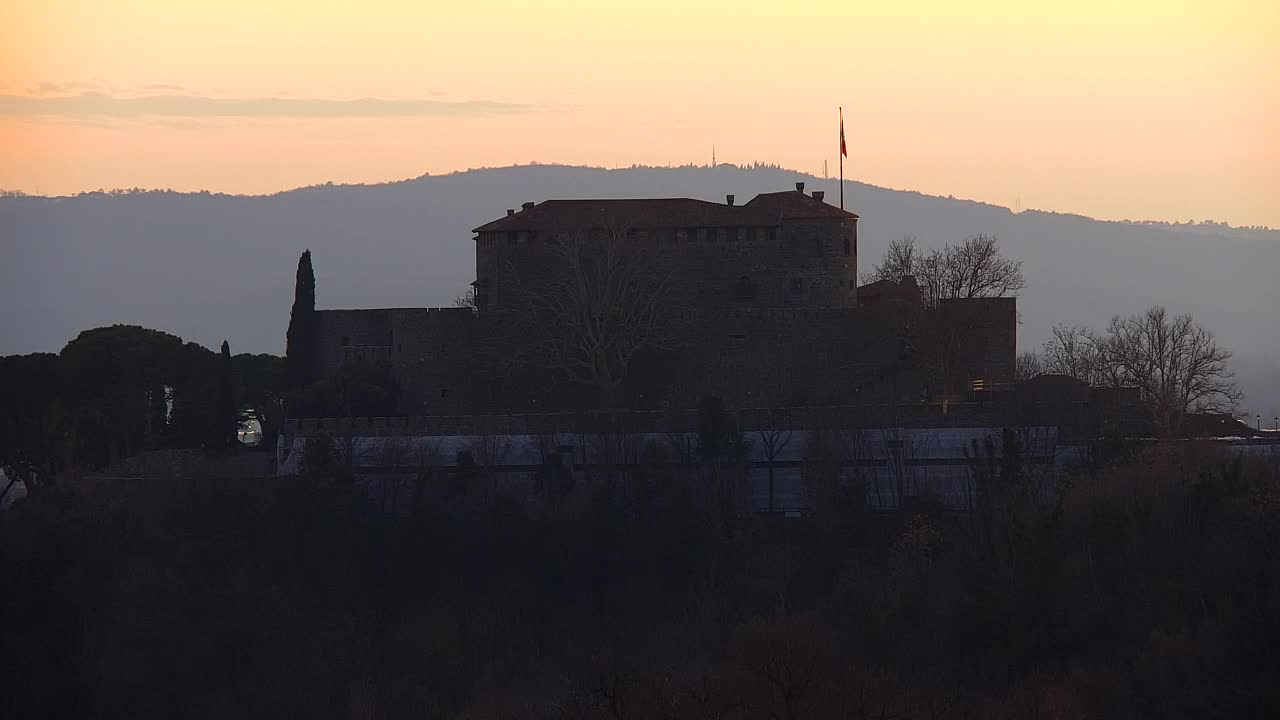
x,y
768,302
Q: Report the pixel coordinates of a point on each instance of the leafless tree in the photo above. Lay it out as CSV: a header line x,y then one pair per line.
x,y
601,300
1074,351
973,269
1176,365
775,433
1028,365
901,259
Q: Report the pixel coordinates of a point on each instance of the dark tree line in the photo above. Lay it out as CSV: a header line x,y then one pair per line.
x,y
1143,588
115,391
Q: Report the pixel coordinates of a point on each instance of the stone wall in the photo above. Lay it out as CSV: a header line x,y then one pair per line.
x,y
809,263
432,351
452,361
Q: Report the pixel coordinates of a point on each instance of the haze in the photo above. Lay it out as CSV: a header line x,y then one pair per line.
x,y
1115,110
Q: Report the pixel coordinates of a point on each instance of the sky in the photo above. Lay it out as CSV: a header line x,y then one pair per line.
x,y
1119,110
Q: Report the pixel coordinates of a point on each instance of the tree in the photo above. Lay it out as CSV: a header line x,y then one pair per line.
x,y
1176,365
1028,365
227,421
116,383
262,387
972,269
300,339
33,423
1074,351
901,259
601,300
195,417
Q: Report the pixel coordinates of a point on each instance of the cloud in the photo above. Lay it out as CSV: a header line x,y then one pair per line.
x,y
99,105
63,88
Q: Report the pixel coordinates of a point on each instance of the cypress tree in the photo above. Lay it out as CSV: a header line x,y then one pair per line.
x,y
227,417
299,343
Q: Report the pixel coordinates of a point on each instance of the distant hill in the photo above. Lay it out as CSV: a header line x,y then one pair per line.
x,y
209,267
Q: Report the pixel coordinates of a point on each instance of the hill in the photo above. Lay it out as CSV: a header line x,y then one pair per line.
x,y
208,266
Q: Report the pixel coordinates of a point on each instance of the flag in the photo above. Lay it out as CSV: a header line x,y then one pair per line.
x,y
843,151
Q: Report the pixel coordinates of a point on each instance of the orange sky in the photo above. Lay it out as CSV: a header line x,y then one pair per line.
x,y
1155,110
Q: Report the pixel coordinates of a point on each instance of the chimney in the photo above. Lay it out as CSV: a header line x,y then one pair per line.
x,y
510,212
799,187
526,206
818,195
728,199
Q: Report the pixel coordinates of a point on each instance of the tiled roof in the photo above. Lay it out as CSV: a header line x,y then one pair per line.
x,y
795,204
558,215
763,211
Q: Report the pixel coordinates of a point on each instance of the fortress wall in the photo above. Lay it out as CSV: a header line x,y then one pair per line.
x,y
982,334
800,263
450,361
346,333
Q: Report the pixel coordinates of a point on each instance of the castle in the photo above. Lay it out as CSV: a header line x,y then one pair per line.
x,y
759,302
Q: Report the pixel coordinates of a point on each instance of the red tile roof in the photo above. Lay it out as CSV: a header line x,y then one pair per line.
x,y
560,215
794,204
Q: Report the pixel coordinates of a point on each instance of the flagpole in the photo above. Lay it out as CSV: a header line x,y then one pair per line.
x,y
842,158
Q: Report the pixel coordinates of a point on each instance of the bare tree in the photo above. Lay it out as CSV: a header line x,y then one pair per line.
x,y
1176,365
600,301
1028,365
901,259
775,433
973,269
1076,352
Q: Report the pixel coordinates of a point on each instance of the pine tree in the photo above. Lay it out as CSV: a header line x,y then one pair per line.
x,y
299,343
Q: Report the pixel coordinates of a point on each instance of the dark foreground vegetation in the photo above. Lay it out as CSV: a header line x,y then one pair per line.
x,y
1148,588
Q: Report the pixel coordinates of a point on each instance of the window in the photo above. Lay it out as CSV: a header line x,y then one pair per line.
x,y
722,234
744,290
760,234
444,393
702,234
846,247
511,238
346,341
797,286
399,347
773,235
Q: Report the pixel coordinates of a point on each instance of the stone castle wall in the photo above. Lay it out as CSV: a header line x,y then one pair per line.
x,y
809,263
430,349
768,317
453,361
